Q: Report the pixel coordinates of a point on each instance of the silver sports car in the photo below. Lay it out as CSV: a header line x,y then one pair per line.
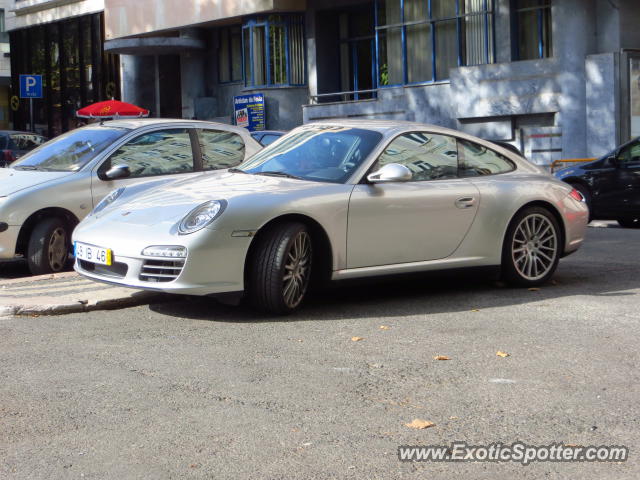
x,y
336,200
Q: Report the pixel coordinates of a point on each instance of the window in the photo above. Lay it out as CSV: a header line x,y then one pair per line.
x,y
220,149
274,51
421,40
532,29
4,35
230,55
428,156
161,152
629,154
477,160
357,52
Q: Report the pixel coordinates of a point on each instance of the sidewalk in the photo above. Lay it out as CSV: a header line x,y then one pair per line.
x,y
67,292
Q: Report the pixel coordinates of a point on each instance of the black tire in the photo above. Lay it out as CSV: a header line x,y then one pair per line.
x,y
48,248
273,259
541,249
586,193
629,222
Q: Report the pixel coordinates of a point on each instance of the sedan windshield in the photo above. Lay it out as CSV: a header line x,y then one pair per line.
x,y
316,153
71,151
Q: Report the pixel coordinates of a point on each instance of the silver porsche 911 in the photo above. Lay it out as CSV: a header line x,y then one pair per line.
x,y
336,200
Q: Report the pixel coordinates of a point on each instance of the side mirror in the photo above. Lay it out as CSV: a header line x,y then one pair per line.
x,y
117,171
391,172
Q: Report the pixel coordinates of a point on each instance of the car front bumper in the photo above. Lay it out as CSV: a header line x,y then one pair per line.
x,y
214,264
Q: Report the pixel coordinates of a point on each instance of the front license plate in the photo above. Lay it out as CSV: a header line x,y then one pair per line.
x,y
93,254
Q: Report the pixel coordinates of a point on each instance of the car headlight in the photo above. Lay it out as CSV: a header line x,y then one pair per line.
x,y
108,200
201,216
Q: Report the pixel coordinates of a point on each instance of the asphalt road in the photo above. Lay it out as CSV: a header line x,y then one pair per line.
x,y
193,389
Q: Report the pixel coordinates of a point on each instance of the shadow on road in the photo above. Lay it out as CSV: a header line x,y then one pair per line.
x,y
421,295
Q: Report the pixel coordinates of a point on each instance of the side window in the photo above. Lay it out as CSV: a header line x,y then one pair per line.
x,y
220,149
428,156
477,160
268,139
630,153
161,152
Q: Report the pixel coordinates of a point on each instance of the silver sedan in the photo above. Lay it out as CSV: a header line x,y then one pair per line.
x,y
47,192
336,200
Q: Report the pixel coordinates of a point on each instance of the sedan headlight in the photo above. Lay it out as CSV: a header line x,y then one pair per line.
x,y
201,216
108,200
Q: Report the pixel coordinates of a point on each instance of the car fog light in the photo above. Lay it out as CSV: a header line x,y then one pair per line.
x,y
174,251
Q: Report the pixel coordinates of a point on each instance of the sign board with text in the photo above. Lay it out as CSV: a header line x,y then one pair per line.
x,y
249,111
30,86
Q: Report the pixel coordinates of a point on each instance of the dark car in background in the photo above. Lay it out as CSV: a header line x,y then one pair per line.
x,y
14,144
266,137
610,184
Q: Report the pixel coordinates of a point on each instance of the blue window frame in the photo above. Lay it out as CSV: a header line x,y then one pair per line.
x,y
531,26
274,53
419,41
230,54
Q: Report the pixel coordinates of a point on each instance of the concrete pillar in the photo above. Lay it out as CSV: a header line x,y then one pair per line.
x,y
138,81
192,75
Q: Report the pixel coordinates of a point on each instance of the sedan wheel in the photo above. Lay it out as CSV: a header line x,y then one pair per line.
x,y
48,249
532,247
281,268
630,222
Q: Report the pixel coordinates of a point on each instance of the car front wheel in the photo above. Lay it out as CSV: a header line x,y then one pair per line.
x,y
48,249
532,248
280,268
630,222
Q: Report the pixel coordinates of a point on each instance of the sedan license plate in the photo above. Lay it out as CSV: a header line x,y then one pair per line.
x,y
93,254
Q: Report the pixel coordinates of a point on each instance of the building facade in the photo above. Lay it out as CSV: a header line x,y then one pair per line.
x,y
5,69
63,42
557,78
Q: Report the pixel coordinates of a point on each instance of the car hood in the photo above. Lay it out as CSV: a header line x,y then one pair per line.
x,y
171,202
12,181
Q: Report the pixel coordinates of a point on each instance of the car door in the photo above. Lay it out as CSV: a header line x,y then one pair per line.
x,y
425,218
163,152
618,186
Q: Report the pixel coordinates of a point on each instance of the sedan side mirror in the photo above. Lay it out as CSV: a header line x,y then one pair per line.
x,y
117,171
391,172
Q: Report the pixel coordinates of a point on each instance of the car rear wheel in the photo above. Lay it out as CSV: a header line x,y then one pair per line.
x,y
48,249
532,248
629,222
280,269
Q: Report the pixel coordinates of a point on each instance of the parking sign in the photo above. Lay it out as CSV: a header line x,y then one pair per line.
x,y
30,86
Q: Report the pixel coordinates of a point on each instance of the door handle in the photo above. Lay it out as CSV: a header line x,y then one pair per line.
x,y
465,202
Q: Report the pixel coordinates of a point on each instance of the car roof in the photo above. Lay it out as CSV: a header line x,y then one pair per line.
x,y
133,123
390,126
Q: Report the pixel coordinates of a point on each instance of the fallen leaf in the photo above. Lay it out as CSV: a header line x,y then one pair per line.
x,y
534,289
420,424
502,354
356,339
441,357
475,309
453,418
384,327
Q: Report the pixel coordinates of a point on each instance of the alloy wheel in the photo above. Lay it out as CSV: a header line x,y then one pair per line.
x,y
296,270
57,251
535,247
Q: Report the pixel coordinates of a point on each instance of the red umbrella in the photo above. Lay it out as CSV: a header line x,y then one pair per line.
x,y
112,109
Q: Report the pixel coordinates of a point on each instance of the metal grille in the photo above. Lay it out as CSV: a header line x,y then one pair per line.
x,y
161,270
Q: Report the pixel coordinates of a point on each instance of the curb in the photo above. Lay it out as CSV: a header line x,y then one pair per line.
x,y
64,293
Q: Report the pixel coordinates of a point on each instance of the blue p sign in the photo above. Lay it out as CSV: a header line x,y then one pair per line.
x,y
30,86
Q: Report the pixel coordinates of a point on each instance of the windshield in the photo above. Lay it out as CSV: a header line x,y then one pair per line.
x,y
71,151
316,153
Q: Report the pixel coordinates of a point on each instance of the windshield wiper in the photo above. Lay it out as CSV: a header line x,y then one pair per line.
x,y
236,170
274,173
26,167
